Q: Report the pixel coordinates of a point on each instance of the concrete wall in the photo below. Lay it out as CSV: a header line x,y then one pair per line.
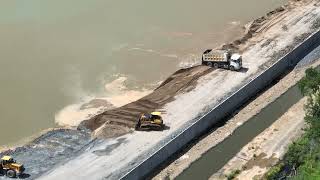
x,y
226,107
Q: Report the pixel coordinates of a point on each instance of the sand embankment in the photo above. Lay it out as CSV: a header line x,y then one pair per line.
x,y
72,115
122,120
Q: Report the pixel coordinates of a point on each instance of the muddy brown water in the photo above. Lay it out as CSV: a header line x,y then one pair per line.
x,y
217,157
56,53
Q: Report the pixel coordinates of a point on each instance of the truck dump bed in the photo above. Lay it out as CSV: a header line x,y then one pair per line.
x,y
215,55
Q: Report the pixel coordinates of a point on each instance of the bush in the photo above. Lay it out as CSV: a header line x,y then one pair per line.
x,y
233,174
274,171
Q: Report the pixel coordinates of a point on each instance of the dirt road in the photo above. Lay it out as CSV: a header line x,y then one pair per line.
x,y
190,155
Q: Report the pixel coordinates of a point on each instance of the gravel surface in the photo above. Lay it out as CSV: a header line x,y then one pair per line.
x,y
48,150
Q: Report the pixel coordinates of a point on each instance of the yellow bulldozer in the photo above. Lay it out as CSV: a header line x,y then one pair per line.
x,y
10,167
150,121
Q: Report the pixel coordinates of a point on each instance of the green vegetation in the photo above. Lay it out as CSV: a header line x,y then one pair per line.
x,y
274,171
233,174
302,161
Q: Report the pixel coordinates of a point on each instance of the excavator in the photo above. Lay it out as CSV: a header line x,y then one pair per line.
x,y
150,121
10,167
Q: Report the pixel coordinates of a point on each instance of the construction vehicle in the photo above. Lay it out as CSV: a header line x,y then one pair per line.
x,y
222,59
10,167
150,121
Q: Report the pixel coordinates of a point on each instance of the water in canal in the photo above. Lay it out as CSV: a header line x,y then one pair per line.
x,y
217,157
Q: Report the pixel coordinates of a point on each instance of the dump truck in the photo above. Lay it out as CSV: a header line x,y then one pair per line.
x,y
10,168
150,121
222,59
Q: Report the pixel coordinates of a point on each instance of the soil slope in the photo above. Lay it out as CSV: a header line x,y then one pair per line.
x,y
121,120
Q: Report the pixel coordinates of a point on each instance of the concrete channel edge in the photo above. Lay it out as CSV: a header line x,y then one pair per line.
x,y
225,108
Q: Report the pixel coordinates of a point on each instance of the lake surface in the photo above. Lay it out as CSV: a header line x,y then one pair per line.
x,y
57,53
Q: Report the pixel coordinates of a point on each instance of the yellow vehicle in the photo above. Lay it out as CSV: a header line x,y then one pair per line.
x,y
150,121
10,167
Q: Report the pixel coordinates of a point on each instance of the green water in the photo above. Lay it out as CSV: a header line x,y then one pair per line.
x,y
54,53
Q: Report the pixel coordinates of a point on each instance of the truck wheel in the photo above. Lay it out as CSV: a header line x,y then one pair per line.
x,y
216,65
232,68
138,124
209,64
11,173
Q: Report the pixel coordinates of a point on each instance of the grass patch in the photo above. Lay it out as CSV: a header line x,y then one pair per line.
x,y
233,174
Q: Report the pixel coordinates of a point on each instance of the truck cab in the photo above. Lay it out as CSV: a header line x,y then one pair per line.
x,y
236,62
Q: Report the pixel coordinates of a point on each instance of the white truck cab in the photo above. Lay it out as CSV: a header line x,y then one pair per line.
x,y
236,61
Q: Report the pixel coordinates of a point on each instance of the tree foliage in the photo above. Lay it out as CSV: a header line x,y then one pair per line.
x,y
310,84
302,160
